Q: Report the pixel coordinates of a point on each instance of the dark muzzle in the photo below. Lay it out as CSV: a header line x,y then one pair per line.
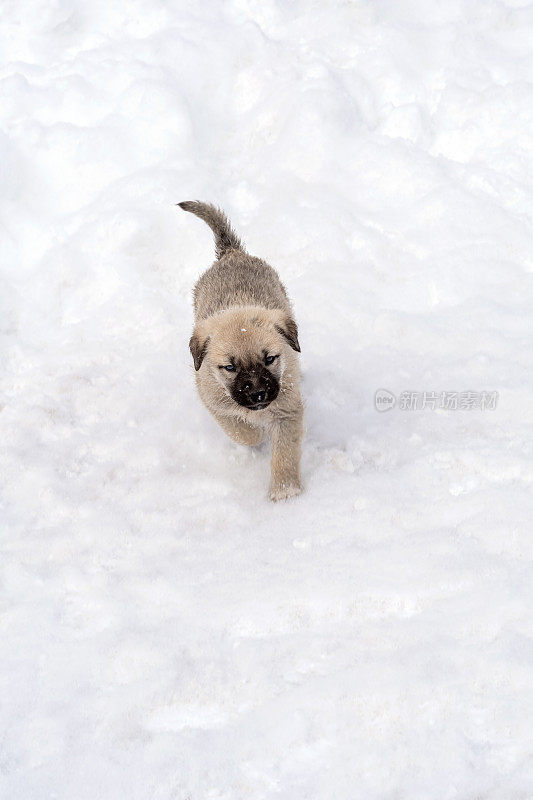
x,y
255,388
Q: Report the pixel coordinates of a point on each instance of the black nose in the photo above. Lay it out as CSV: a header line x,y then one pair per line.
x,y
257,397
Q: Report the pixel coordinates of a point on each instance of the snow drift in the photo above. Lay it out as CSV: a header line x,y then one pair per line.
x,y
166,631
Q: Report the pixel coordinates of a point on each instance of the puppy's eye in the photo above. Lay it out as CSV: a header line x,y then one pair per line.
x,y
228,367
270,359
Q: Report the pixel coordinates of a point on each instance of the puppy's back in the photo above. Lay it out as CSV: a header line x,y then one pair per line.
x,y
236,278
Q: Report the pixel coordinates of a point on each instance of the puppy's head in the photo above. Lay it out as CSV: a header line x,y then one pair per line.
x,y
243,349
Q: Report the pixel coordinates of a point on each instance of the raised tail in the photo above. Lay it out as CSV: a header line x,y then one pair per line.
x,y
225,237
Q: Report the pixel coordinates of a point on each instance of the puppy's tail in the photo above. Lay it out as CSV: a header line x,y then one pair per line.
x,y
225,237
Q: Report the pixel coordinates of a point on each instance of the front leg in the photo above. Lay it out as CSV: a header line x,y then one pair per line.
x,y
240,431
286,437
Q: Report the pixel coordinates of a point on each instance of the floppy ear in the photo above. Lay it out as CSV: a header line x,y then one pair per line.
x,y
198,348
289,330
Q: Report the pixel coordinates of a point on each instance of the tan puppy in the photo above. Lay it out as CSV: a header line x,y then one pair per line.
x,y
244,347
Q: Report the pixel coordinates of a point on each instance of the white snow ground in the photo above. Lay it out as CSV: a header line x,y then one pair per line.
x,y
166,632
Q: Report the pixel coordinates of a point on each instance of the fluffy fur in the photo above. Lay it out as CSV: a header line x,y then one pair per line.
x,y
245,351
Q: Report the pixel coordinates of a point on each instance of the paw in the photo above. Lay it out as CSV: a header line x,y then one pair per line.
x,y
284,489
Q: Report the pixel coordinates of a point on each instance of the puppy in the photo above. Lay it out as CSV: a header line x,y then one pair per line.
x,y
244,347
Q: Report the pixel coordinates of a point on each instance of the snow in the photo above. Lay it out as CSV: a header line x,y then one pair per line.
x,y
167,632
